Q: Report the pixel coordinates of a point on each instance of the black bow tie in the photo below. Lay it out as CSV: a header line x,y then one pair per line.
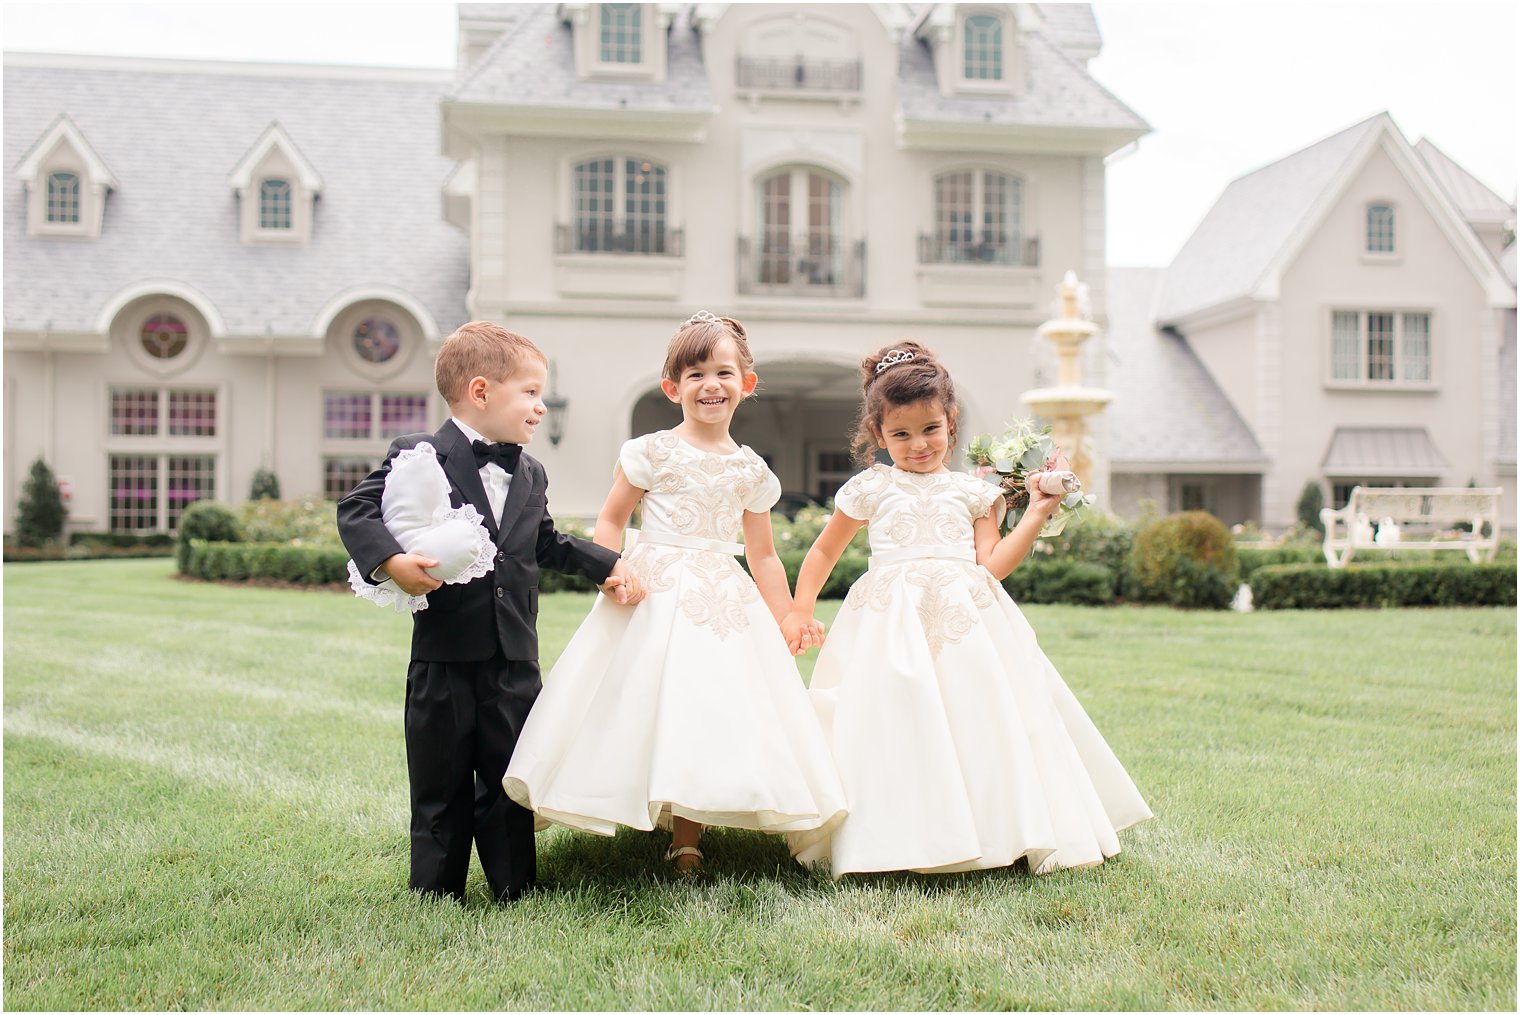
x,y
504,455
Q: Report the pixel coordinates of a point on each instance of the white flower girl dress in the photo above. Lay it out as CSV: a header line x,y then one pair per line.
x,y
688,704
416,510
958,744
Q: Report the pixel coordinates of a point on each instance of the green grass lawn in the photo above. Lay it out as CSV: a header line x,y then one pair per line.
x,y
205,807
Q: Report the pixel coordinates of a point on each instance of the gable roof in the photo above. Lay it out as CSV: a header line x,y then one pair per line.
x,y
1473,199
64,129
173,219
1168,413
274,136
532,65
1257,226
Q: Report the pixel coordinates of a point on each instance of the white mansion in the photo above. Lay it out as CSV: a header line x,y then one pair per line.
x,y
213,267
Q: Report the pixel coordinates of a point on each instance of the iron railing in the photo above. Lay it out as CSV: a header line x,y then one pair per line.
x,y
808,264
598,238
1013,250
797,74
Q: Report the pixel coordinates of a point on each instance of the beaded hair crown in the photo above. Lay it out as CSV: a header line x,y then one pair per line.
x,y
702,317
891,359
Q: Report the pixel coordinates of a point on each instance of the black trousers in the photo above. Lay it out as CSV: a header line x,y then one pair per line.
x,y
462,721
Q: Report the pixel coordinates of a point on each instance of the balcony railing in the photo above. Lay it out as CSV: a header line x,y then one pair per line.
x,y
804,265
798,74
599,239
1011,250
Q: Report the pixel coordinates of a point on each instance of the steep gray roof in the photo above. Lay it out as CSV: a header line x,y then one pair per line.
x,y
1167,408
173,131
1251,223
533,64
1073,27
1472,197
1058,93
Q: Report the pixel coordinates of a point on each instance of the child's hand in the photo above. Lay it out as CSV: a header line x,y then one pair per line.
x,y
409,572
801,632
623,586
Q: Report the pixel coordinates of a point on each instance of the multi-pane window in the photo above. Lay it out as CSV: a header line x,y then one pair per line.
x,y
341,473
149,493
620,206
1380,346
801,230
984,48
164,336
621,36
63,198
373,415
1340,489
978,217
150,412
1379,229
274,204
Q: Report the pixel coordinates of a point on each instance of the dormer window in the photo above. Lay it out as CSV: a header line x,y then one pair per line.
x,y
63,198
277,189
622,33
274,204
619,40
983,48
66,183
1380,238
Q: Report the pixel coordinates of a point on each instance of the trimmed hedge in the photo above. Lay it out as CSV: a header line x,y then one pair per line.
x,y
1079,582
134,540
852,564
300,565
1252,559
86,551
1186,560
1316,587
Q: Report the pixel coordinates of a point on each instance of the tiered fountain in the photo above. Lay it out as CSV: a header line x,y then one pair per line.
x,y
1068,404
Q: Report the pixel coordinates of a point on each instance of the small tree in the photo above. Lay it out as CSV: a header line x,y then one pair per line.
x,y
40,516
1309,504
266,486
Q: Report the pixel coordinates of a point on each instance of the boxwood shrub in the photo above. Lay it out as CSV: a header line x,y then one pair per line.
x,y
1315,587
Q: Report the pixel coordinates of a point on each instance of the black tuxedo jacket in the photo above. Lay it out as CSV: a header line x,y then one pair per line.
x,y
466,623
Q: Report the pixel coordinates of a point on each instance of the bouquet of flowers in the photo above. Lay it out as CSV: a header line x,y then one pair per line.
x,y
1017,461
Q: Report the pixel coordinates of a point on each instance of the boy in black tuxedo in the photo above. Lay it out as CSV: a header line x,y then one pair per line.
x,y
474,672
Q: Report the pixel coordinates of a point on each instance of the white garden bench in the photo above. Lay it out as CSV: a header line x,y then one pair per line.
x,y
1413,518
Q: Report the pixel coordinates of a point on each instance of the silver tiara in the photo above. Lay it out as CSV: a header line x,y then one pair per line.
x,y
702,317
893,358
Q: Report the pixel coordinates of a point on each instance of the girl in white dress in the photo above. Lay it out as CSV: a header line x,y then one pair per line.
x,y
687,709
958,745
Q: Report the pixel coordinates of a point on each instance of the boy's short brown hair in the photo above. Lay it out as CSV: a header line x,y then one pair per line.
x,y
483,349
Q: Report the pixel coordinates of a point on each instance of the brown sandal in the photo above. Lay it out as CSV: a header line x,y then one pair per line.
x,y
676,853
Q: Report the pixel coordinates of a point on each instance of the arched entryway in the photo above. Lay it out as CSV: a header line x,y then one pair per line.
x,y
799,421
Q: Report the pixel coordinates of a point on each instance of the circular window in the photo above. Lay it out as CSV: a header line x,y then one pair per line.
x,y
376,340
164,336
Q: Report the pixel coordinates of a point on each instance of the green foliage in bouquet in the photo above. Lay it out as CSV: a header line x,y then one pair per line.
x,y
1186,560
40,515
1007,460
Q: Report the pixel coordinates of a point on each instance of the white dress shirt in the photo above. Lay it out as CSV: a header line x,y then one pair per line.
x,y
496,479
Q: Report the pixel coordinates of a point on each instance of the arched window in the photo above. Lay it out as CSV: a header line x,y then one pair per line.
x,y
978,217
983,48
164,336
63,198
620,205
274,204
1380,229
800,246
622,33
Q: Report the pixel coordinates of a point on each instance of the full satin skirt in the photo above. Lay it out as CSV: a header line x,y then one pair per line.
x,y
957,743
688,704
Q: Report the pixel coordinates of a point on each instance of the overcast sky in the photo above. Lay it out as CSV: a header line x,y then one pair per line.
x,y
1226,87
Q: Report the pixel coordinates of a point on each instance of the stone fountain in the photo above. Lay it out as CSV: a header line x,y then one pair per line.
x,y
1068,404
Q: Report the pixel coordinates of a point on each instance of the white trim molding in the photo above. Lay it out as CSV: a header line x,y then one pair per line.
x,y
63,149
274,156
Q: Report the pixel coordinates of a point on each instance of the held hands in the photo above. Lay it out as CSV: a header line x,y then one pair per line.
x,y
801,632
409,572
622,586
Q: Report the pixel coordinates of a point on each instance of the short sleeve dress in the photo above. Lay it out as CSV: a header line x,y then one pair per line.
x,y
958,744
688,704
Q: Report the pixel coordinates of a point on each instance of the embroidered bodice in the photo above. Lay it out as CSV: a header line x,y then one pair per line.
x,y
695,492
909,509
